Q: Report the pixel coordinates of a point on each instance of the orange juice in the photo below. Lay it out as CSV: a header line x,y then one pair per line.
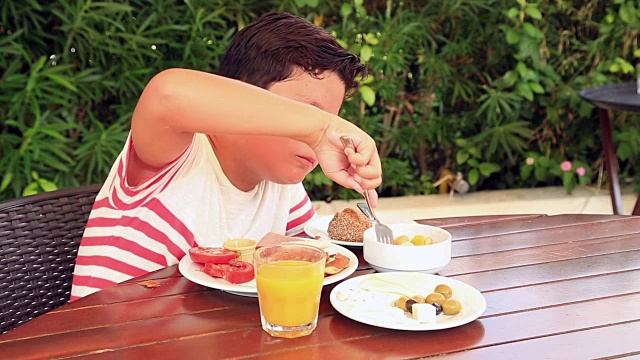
x,y
289,291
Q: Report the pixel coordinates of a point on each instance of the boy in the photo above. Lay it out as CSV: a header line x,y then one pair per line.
x,y
211,158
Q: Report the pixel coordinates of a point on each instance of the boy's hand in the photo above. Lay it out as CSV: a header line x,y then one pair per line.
x,y
356,167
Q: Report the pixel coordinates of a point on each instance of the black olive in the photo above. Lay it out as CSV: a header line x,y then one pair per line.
x,y
438,308
409,304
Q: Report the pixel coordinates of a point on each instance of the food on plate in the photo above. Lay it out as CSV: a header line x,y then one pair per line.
x,y
424,313
215,255
435,298
335,263
235,271
440,303
348,225
451,307
222,263
417,240
445,290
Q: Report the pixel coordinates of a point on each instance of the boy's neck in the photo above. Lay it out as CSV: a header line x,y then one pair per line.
x,y
236,171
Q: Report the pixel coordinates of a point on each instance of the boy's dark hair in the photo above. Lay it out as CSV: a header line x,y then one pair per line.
x,y
270,49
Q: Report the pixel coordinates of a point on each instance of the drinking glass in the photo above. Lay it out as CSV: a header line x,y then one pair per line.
x,y
289,280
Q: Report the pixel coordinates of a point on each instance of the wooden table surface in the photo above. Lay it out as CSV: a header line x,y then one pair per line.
x,y
565,287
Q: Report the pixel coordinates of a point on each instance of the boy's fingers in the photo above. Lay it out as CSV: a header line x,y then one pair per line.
x,y
373,198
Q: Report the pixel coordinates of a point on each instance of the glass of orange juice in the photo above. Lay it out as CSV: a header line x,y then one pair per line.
x,y
289,280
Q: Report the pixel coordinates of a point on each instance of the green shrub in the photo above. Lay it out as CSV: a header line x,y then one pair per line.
x,y
470,86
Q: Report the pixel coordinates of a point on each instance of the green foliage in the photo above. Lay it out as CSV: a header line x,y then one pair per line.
x,y
537,168
469,86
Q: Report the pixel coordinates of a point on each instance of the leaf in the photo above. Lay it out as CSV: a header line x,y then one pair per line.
x,y
300,3
569,181
540,173
624,151
513,13
365,53
486,168
532,31
510,78
461,157
47,185
533,12
345,10
368,95
474,176
525,171
583,180
371,38
627,14
536,88
512,37
31,189
525,91
6,180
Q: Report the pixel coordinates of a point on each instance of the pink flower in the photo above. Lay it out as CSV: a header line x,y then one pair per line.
x,y
581,171
530,161
565,165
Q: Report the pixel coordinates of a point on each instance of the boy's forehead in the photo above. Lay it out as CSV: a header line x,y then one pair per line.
x,y
325,91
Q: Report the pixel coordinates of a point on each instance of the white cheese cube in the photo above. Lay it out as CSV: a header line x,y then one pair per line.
x,y
424,313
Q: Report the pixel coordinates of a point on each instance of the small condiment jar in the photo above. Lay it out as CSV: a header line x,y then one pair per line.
x,y
244,247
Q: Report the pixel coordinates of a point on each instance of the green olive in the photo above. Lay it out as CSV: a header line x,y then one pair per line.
x,y
435,298
401,240
402,303
451,307
419,298
444,290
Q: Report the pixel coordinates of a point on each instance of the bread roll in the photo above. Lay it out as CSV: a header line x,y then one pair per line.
x,y
348,225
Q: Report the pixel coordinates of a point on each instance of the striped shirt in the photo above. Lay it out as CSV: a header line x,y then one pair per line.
x,y
190,202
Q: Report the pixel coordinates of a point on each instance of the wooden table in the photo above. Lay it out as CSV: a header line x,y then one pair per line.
x,y
616,97
564,287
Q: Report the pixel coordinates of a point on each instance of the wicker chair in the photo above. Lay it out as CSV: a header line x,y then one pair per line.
x,y
39,236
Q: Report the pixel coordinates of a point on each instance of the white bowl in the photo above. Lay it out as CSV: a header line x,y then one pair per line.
x,y
424,258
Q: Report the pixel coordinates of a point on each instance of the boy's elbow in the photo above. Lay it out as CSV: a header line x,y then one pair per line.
x,y
162,87
159,94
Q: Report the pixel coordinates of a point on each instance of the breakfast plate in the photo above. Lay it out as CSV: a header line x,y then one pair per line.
x,y
192,271
319,226
369,299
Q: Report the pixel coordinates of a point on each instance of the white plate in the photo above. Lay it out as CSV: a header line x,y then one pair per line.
x,y
319,226
425,271
191,271
376,307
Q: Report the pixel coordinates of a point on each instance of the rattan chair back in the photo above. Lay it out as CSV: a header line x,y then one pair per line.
x,y
39,238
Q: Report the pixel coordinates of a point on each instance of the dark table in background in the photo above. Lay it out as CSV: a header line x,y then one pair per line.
x,y
565,287
620,97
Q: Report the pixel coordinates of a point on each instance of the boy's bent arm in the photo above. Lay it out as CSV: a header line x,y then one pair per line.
x,y
178,103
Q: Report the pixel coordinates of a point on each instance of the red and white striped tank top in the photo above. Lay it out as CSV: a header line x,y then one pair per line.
x,y
190,202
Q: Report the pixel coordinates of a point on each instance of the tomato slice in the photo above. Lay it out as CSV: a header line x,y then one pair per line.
x,y
203,255
235,272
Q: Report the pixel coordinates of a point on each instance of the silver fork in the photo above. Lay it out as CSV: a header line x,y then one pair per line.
x,y
383,232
